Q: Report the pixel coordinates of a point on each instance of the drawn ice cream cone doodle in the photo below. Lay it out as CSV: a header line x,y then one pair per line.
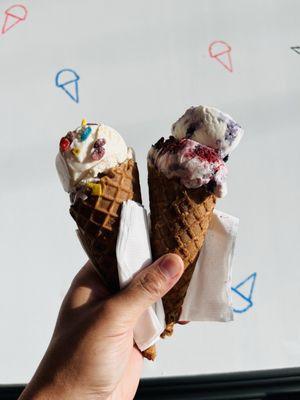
x,y
296,49
13,15
221,51
67,80
243,294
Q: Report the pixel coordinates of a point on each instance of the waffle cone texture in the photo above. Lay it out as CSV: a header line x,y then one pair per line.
x,y
98,218
179,221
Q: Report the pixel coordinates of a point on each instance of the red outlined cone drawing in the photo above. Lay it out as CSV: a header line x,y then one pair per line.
x,y
13,15
221,51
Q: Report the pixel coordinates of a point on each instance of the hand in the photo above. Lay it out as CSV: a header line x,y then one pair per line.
x,y
92,354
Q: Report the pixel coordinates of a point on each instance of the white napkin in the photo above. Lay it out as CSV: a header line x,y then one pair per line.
x,y
134,253
209,294
208,297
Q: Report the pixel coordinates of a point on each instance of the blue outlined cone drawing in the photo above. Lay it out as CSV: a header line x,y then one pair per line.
x,y
67,80
243,293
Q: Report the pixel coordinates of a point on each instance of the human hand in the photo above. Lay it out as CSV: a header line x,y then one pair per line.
x,y
92,354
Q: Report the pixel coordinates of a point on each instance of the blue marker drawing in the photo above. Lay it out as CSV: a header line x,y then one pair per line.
x,y
67,80
244,292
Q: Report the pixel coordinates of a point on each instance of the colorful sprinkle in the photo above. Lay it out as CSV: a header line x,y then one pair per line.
x,y
64,144
96,188
83,122
86,133
76,151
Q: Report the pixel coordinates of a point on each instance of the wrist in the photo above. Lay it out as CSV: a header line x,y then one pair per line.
x,y
55,392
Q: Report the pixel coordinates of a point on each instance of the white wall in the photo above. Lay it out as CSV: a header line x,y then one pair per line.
x,y
141,64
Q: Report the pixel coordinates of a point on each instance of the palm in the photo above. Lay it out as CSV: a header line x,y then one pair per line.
x,y
103,345
128,384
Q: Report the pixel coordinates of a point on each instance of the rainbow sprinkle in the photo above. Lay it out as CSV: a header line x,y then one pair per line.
x,y
83,122
86,133
96,188
76,151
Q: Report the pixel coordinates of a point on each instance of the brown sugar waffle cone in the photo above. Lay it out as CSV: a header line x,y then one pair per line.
x,y
179,221
98,218
150,353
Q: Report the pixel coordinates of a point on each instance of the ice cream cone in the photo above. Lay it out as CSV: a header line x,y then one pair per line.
x,y
179,221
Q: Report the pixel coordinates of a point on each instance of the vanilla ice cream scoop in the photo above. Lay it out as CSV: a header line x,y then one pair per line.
x,y
88,151
210,127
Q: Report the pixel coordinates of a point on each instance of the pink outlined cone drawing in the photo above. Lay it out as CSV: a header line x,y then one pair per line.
x,y
13,15
221,51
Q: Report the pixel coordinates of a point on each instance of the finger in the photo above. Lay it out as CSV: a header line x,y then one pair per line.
x,y
147,287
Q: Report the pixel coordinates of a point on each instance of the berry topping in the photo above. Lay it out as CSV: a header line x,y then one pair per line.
x,y
64,144
173,145
99,143
231,131
207,153
98,153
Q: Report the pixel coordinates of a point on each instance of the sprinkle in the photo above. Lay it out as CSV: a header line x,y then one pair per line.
x,y
64,144
76,151
83,122
96,188
86,133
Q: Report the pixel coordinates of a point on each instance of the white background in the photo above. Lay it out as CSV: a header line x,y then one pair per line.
x,y
141,64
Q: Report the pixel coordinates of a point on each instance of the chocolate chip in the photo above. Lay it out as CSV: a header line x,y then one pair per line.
x,y
192,128
211,186
159,143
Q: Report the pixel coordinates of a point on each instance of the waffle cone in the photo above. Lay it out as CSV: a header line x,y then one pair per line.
x,y
179,221
98,217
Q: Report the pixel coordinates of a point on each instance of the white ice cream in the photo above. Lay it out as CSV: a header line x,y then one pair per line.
x,y
209,126
76,165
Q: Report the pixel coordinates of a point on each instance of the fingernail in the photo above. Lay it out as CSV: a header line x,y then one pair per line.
x,y
171,265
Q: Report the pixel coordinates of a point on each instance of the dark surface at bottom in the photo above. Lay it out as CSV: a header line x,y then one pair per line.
x,y
280,384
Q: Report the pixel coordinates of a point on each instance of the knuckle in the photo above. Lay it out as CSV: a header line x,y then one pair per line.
x,y
152,283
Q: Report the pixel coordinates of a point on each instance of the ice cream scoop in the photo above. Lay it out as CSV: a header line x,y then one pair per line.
x,y
210,127
88,151
194,164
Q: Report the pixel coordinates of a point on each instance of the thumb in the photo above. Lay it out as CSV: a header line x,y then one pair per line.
x,y
148,286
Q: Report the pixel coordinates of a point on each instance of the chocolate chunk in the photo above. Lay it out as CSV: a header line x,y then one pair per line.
x,y
192,128
211,186
158,145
